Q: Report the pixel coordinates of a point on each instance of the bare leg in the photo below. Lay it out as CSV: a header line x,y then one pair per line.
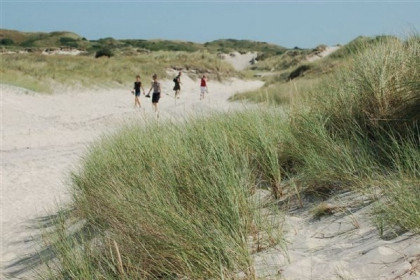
x,y
155,108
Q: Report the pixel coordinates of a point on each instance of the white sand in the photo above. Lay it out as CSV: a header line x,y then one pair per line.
x,y
62,51
239,61
44,136
328,50
345,245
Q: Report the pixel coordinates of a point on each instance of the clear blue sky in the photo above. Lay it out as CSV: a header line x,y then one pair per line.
x,y
304,24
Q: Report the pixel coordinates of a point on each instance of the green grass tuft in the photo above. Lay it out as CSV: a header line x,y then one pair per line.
x,y
175,199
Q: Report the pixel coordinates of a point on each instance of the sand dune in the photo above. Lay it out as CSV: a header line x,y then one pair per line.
x,y
44,136
240,61
345,245
326,52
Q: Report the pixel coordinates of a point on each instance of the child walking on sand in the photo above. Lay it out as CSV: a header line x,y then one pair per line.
x,y
203,87
177,87
136,91
156,93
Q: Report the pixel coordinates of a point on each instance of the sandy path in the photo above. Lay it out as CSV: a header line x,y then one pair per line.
x,y
43,137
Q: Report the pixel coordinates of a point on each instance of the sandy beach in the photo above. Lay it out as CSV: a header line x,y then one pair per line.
x,y
44,136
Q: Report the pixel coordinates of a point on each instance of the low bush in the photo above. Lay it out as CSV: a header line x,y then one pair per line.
x,y
104,52
298,72
69,42
7,42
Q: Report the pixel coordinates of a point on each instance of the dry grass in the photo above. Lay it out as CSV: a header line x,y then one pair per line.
x,y
40,72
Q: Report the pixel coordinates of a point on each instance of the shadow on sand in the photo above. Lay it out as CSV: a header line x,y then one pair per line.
x,y
30,265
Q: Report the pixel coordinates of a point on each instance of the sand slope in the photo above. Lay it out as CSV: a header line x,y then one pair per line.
x,y
343,245
240,61
328,50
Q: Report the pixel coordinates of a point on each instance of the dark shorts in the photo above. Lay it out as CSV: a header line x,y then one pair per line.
x,y
177,87
155,97
137,93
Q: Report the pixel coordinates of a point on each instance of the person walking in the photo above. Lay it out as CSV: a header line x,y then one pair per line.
x,y
177,87
136,91
156,93
203,87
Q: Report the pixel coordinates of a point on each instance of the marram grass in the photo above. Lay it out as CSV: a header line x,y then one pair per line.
x,y
361,125
175,200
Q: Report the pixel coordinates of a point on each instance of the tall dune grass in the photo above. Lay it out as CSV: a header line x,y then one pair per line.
x,y
175,201
362,125
279,93
378,90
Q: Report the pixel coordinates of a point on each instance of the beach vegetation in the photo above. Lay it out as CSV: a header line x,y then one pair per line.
x,y
69,42
177,200
359,129
42,73
104,52
124,46
7,42
177,203
263,49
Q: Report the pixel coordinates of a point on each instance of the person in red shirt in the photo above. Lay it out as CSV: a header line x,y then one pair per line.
x,y
203,87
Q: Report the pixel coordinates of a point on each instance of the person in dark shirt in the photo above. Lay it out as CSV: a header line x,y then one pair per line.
x,y
136,91
177,87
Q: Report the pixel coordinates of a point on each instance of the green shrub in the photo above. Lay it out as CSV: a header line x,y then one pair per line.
x,y
163,45
7,42
298,72
69,42
28,43
104,52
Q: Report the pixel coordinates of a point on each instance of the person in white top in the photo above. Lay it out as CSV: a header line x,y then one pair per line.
x,y
156,92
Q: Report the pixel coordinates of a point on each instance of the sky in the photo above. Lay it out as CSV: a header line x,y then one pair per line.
x,y
304,24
